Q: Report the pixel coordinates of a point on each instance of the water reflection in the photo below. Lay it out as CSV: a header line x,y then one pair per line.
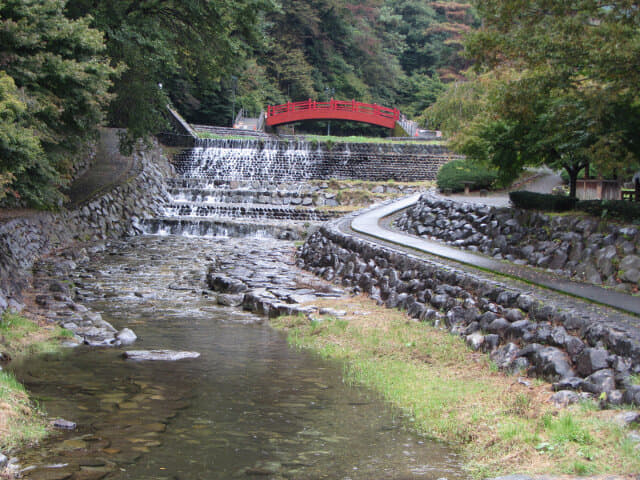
x,y
248,407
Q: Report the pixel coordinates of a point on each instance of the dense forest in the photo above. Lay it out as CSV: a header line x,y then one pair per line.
x,y
511,82
67,66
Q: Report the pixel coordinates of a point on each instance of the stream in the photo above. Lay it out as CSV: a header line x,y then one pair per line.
x,y
249,407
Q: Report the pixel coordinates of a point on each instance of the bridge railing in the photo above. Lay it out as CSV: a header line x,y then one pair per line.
x,y
334,105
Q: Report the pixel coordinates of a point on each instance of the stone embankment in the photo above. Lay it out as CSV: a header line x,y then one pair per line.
x,y
585,354
582,248
25,241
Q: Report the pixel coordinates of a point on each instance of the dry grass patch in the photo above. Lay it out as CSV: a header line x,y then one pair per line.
x,y
502,423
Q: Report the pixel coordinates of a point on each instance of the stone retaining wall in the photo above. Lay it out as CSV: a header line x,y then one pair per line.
x,y
579,351
111,215
586,249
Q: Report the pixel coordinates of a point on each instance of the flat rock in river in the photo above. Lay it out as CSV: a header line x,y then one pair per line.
x,y
164,355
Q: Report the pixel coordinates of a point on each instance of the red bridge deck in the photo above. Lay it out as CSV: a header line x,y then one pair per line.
x,y
332,110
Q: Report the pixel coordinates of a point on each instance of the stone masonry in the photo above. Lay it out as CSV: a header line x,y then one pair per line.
x,y
582,352
585,249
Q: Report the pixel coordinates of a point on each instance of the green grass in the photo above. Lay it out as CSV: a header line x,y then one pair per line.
x,y
15,327
454,395
331,139
21,421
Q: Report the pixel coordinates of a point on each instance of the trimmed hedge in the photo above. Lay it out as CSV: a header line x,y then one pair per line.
x,y
618,209
542,201
452,176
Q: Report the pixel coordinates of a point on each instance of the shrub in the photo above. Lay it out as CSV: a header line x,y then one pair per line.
x,y
454,174
542,201
618,209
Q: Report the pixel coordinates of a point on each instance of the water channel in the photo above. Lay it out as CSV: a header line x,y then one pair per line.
x,y
249,407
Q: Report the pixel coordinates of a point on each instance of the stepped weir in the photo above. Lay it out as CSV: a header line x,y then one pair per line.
x,y
257,186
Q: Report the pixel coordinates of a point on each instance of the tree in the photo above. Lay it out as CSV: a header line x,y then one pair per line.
x,y
63,78
171,50
22,160
573,101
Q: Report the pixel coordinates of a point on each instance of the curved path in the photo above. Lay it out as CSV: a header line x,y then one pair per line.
x,y
375,224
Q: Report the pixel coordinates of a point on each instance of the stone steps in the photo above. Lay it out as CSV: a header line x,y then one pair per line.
x,y
222,227
247,210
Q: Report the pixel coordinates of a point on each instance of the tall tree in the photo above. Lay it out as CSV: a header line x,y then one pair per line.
x,y
169,49
59,67
574,96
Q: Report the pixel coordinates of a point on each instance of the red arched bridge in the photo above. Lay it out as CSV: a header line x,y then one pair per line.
x,y
332,110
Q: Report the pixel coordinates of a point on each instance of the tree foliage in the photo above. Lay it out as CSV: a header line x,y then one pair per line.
x,y
566,94
77,63
62,80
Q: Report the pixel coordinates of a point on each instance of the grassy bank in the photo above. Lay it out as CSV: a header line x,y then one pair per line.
x,y
21,421
501,424
356,194
331,139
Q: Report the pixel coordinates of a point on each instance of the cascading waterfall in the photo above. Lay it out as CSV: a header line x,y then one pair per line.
x,y
267,161
240,187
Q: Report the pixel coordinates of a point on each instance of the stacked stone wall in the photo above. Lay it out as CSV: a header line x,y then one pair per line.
x,y
583,352
579,247
111,215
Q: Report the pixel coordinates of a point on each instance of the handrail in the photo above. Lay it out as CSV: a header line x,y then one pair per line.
x,y
334,105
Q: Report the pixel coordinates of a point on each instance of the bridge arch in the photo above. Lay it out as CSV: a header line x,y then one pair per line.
x,y
371,113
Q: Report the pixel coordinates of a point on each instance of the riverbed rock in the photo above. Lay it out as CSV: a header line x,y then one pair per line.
x,y
230,299
159,355
63,424
3,460
126,336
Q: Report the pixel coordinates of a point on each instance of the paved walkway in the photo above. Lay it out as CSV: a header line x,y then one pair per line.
x,y
376,224
108,169
544,182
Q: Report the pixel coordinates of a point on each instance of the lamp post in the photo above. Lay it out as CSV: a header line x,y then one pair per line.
x,y
234,84
329,92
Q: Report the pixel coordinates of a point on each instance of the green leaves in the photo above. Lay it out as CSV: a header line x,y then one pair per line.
x,y
63,79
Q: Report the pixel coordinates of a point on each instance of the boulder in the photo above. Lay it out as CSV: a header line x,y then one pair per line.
x,y
591,360
159,355
505,356
548,362
626,419
564,398
126,336
475,341
63,424
230,299
224,284
600,381
629,269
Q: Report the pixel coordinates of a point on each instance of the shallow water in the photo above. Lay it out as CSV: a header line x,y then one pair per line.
x,y
249,407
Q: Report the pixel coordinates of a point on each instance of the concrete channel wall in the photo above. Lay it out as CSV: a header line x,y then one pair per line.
x,y
583,352
112,214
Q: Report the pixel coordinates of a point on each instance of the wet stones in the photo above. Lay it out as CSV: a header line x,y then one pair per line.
x,y
158,355
578,350
63,424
